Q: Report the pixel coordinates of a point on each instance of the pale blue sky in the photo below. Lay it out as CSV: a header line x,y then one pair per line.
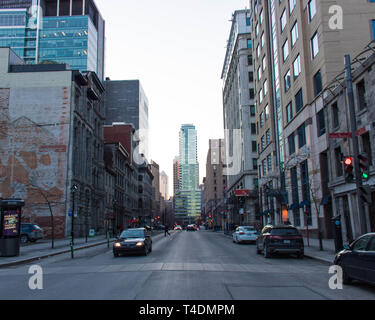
x,y
176,49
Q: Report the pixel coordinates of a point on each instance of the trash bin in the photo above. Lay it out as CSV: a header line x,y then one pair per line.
x,y
10,225
337,232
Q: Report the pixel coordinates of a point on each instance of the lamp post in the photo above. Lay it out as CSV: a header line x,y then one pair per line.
x,y
73,191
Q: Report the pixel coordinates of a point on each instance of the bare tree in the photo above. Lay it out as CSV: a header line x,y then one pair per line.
x,y
314,192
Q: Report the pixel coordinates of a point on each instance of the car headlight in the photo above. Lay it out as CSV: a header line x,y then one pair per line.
x,y
117,244
139,244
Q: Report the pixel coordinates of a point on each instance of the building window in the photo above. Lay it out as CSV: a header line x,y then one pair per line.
x,y
253,129
256,30
314,45
318,87
292,144
265,87
261,120
252,110
269,163
262,40
252,93
296,67
287,81
253,146
294,34
259,73
335,115
268,137
248,23
249,44
250,59
261,17
264,167
295,196
264,63
312,9
299,100
361,91
320,121
251,76
262,143
255,164
283,20
267,111
260,96
292,4
289,112
301,136
258,51
285,50
366,146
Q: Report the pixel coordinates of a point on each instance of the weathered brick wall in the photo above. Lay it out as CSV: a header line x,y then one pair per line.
x,y
34,137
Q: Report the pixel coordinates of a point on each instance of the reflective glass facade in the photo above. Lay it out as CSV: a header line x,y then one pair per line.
x,y
15,33
71,40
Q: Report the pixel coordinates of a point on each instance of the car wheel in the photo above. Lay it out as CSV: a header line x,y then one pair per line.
x,y
146,251
24,238
115,254
300,255
266,252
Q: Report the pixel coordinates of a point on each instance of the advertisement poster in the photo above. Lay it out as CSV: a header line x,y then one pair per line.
x,y
10,223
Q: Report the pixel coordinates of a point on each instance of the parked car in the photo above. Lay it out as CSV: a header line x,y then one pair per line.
x,y
133,241
30,232
280,239
357,260
178,227
190,227
245,234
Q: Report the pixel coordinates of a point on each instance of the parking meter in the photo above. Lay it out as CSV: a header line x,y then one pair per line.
x,y
10,227
337,231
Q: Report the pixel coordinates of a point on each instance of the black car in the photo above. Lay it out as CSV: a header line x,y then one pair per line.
x,y
358,260
280,239
191,227
133,241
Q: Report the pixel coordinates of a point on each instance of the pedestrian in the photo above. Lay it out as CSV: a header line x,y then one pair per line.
x,y
166,230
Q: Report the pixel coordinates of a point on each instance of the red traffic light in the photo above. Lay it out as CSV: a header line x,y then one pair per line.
x,y
348,161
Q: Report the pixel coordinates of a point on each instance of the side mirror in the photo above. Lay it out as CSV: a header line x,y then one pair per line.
x,y
346,247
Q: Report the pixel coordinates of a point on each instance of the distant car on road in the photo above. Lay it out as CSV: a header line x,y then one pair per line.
x,y
133,241
190,227
358,260
30,232
280,239
196,227
178,227
245,234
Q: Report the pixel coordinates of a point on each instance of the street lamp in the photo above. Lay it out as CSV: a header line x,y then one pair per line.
x,y
73,190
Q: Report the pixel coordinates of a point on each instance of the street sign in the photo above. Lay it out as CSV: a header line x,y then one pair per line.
x,y
242,193
340,135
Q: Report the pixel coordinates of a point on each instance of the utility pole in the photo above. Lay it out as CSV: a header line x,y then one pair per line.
x,y
353,127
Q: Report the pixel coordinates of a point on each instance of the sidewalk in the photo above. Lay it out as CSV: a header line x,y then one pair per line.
x,y
313,251
43,248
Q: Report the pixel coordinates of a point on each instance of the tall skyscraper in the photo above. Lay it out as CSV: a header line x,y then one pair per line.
x,y
55,31
127,102
164,185
240,121
188,195
298,49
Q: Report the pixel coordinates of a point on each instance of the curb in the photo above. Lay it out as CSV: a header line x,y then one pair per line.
x,y
52,254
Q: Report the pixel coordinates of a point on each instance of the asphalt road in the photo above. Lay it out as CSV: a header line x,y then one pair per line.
x,y
187,266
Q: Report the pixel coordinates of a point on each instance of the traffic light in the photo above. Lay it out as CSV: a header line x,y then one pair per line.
x,y
363,166
349,176
365,194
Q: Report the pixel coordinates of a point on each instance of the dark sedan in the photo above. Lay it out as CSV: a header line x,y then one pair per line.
x,y
358,260
280,239
133,241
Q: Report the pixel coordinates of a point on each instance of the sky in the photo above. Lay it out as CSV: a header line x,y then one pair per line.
x,y
176,49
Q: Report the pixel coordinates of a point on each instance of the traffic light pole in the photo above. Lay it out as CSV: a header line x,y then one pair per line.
x,y
353,127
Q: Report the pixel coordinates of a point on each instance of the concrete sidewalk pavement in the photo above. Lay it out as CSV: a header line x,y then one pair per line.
x,y
43,248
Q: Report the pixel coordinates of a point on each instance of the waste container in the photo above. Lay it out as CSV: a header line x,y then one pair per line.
x,y
10,225
337,232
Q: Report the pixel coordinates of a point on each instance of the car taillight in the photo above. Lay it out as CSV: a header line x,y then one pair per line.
x,y
241,233
35,230
275,237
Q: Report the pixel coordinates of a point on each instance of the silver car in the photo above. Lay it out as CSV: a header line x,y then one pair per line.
x,y
245,234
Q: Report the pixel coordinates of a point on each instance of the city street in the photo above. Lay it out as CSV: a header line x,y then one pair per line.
x,y
199,265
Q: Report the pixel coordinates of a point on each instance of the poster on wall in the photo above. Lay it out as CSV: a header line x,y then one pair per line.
x,y
11,223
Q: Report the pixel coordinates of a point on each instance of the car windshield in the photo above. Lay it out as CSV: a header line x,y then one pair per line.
x,y
248,230
284,231
132,234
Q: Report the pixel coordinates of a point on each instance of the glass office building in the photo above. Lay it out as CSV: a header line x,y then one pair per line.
x,y
188,196
69,32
